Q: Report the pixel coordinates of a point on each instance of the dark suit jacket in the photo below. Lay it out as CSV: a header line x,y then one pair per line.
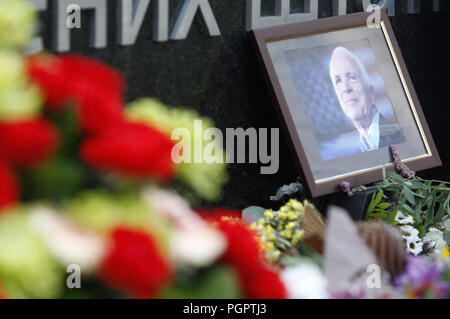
x,y
390,133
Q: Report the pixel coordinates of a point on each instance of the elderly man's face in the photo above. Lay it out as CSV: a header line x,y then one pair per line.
x,y
354,94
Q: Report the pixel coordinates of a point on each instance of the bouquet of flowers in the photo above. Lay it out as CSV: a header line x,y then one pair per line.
x,y
90,197
93,204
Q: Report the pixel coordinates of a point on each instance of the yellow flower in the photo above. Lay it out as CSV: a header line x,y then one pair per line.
x,y
286,233
296,205
282,215
261,222
292,215
269,214
445,253
286,222
291,225
297,236
274,255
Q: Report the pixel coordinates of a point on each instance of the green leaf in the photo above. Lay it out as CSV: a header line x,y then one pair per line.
x,y
407,209
384,205
396,178
416,213
55,180
391,219
430,212
220,282
409,195
441,190
441,211
67,123
376,199
415,184
428,201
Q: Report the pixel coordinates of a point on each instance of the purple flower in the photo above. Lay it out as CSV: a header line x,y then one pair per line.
x,y
422,276
401,168
345,187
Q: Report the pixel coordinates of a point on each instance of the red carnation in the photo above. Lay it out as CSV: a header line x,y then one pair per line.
x,y
98,110
64,77
131,149
134,265
244,254
263,283
9,188
95,88
27,143
50,74
88,75
243,250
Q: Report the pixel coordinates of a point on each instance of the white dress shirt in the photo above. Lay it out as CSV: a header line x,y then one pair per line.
x,y
373,136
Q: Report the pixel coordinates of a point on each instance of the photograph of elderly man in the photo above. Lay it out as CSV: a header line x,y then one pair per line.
x,y
356,97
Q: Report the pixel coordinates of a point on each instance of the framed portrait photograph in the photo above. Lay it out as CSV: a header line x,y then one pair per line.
x,y
344,96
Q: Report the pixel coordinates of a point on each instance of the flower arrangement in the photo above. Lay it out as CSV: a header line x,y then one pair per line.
x,y
88,185
330,258
86,182
421,208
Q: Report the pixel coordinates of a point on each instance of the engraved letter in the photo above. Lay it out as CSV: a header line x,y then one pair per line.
x,y
186,17
282,13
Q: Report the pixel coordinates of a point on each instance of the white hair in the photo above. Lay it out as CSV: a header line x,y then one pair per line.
x,y
364,72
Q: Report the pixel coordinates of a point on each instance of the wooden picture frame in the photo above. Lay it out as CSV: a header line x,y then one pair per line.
x,y
303,42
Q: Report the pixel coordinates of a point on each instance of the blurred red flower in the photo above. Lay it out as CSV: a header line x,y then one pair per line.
x,y
50,74
95,88
9,188
98,110
134,264
131,149
217,213
245,256
27,143
87,74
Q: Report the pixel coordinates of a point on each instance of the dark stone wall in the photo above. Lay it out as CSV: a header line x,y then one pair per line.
x,y
219,77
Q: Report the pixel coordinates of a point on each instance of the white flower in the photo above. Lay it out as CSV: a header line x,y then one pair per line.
x,y
193,241
68,243
305,281
404,220
436,239
197,247
414,247
171,206
414,244
411,232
